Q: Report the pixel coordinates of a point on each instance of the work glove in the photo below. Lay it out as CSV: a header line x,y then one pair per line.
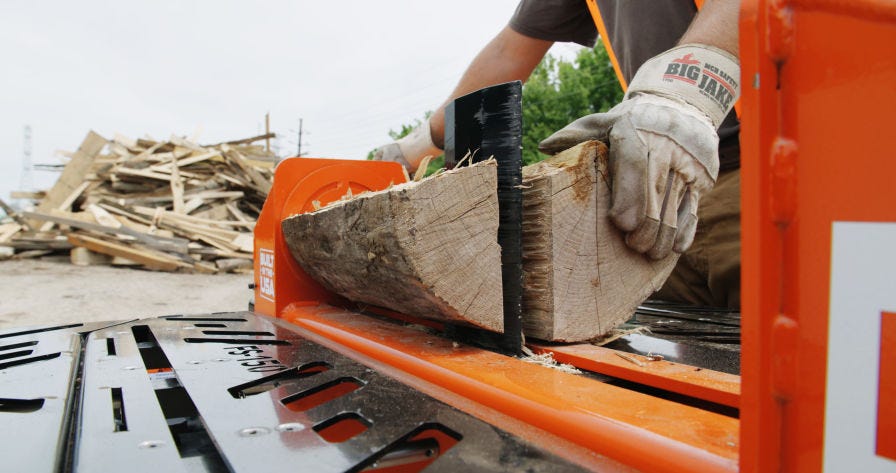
x,y
663,144
409,150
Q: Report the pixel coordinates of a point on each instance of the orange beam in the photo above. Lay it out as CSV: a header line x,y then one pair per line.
x,y
709,385
635,429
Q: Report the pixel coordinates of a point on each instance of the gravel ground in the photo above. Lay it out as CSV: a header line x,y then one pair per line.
x,y
39,292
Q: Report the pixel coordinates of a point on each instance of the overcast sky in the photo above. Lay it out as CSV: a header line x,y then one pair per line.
x,y
352,70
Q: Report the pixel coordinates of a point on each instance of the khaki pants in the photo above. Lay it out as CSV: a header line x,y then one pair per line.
x,y
709,272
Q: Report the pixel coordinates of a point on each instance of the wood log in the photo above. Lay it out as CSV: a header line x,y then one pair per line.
x,y
426,248
580,278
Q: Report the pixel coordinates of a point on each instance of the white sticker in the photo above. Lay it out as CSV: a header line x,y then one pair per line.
x,y
266,274
863,286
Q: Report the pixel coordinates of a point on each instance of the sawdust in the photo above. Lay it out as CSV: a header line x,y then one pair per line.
x,y
547,359
616,334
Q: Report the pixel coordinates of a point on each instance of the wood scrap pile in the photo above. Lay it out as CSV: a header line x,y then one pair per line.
x,y
164,205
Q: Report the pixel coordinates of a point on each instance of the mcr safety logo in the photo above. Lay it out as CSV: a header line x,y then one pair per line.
x,y
710,80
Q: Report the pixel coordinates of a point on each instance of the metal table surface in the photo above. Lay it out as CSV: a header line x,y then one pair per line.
x,y
226,392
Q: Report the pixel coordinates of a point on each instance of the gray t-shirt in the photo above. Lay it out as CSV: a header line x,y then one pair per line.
x,y
638,30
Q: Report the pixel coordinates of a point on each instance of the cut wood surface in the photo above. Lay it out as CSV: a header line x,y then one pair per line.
x,y
580,278
426,248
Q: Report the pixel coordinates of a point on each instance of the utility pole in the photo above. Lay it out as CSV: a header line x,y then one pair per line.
x,y
25,183
267,131
299,151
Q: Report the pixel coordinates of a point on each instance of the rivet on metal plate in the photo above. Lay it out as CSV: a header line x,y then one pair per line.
x,y
254,431
290,427
151,444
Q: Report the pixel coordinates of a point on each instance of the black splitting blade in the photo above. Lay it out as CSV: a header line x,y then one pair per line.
x,y
489,123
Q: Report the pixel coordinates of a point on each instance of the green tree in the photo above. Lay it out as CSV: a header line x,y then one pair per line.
x,y
559,92
435,164
556,93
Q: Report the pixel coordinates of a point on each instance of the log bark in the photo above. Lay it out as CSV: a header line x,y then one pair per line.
x,y
580,278
427,248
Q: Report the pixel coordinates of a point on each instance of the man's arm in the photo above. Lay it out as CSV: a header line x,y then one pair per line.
x,y
715,25
509,56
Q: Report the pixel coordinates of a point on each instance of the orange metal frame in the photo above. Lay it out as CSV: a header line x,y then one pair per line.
x,y
601,418
819,89
298,183
814,121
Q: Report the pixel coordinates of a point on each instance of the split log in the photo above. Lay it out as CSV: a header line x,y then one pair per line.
x,y
580,278
427,248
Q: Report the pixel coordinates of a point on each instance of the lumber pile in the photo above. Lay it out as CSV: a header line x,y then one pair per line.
x,y
580,279
428,248
169,205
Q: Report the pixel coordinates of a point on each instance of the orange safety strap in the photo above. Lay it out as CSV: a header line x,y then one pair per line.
x,y
605,38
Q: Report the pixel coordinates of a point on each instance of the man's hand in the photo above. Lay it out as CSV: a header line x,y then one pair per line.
x,y
663,157
392,152
663,145
410,150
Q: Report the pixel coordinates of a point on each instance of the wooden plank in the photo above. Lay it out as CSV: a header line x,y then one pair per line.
x,y
264,184
126,141
233,264
66,204
427,249
11,213
161,176
7,230
195,158
28,195
119,261
149,258
171,216
236,212
243,141
28,254
164,244
103,217
580,278
177,189
73,175
81,256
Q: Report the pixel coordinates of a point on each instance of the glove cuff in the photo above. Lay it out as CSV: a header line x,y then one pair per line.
x,y
702,76
418,144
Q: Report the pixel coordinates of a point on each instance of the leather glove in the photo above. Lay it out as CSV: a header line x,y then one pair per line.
x,y
663,144
409,150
